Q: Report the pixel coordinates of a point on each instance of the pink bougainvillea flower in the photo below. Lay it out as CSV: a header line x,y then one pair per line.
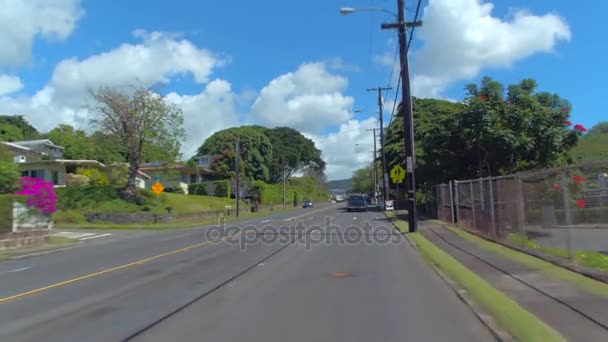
x,y
40,194
580,203
452,152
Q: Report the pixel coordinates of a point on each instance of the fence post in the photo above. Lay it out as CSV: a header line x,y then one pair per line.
x,y
473,204
451,202
567,211
483,202
457,203
492,207
520,209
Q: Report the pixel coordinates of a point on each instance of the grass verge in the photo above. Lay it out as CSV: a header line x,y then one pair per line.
x,y
590,259
517,321
171,225
585,283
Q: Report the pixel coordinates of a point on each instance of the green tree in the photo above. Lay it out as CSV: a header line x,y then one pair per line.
x,y
255,152
362,180
138,119
599,128
15,127
9,172
75,142
292,152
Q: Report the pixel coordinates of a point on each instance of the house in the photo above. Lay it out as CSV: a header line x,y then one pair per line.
x,y
178,175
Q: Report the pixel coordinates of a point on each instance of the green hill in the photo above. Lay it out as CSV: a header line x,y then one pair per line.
x,y
590,148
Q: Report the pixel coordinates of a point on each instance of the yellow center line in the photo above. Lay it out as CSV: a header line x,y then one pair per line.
x,y
134,263
113,269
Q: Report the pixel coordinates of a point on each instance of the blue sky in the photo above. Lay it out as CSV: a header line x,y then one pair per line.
x,y
238,48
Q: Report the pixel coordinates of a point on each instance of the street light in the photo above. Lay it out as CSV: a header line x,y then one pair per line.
x,y
406,102
351,10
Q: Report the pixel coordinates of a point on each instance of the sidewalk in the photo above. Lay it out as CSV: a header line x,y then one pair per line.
x,y
577,314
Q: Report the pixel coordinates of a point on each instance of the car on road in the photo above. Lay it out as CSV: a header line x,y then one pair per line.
x,y
307,204
356,203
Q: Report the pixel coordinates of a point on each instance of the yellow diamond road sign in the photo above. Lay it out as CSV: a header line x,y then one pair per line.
x,y
397,174
157,188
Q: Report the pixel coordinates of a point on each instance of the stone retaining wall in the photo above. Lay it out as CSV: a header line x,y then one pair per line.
x,y
29,238
143,217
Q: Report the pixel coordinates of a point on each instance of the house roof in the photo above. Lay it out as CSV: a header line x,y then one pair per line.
x,y
66,162
26,143
144,175
14,145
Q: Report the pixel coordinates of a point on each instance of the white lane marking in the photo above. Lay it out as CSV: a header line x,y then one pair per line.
x,y
261,264
310,218
95,237
16,270
354,217
73,235
287,219
265,221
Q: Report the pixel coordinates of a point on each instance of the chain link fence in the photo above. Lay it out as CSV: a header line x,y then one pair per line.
x,y
560,211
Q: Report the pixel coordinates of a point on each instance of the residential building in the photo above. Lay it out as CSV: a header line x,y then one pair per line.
x,y
178,175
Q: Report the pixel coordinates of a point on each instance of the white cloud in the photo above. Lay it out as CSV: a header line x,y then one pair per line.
x,y
9,84
156,59
461,38
206,113
309,99
21,21
340,151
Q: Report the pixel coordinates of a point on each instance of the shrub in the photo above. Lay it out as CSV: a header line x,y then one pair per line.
x,y
40,194
96,177
214,188
118,175
85,196
68,216
76,180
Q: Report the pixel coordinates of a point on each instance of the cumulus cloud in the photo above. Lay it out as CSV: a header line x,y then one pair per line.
x,y
460,38
156,59
21,21
340,151
309,99
9,84
206,113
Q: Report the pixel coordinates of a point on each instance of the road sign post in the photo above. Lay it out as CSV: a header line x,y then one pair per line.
x,y
397,176
157,188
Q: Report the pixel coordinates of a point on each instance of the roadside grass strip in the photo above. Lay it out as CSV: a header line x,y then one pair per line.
x,y
585,283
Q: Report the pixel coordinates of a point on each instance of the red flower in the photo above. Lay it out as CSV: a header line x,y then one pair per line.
x,y
580,203
578,179
556,187
580,128
452,152
568,122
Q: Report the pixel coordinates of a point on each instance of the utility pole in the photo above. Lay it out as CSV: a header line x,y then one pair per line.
x,y
238,176
374,168
384,174
406,106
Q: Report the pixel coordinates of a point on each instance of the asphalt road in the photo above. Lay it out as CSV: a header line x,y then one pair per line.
x,y
326,275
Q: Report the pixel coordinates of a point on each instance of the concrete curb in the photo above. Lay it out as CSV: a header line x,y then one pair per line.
x,y
50,251
462,294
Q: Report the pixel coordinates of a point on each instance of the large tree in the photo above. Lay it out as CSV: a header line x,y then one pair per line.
x,y
599,128
255,152
488,134
138,119
292,152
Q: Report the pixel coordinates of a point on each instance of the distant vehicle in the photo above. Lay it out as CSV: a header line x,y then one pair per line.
x,y
307,204
339,198
356,203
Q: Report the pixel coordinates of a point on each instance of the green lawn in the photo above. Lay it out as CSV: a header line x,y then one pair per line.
x,y
517,321
583,282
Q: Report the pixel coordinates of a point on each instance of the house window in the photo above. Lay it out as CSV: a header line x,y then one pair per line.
x,y
55,177
193,178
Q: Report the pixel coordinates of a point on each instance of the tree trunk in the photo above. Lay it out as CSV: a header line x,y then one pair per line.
x,y
129,193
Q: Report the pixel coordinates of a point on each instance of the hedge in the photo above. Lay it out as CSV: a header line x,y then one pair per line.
x,y
219,188
74,197
296,188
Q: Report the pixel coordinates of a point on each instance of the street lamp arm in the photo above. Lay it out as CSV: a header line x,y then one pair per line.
x,y
350,10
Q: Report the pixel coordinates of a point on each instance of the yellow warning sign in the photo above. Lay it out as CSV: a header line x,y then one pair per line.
x,y
397,174
157,188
